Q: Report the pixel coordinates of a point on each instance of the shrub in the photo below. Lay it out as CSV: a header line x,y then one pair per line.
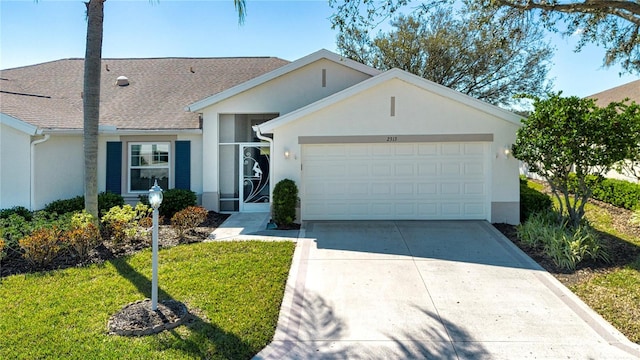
x,y
285,197
42,246
106,200
566,246
188,219
173,200
3,247
532,201
571,246
65,205
538,227
121,223
18,210
83,235
14,228
616,192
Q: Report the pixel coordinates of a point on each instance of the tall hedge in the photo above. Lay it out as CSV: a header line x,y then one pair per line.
x,y
616,192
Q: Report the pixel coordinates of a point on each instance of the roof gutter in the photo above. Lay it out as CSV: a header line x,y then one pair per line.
x,y
32,185
115,131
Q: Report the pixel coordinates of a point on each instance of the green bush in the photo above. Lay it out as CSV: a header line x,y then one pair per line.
x,y
14,228
18,210
121,224
532,201
65,206
285,198
173,200
565,245
616,192
188,219
83,235
106,200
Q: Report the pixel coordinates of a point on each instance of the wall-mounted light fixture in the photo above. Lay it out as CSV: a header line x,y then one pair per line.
x,y
287,153
505,152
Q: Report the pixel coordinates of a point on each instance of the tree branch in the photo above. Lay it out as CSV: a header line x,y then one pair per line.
x,y
628,10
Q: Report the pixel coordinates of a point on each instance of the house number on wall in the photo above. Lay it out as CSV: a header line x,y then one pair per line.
x,y
392,138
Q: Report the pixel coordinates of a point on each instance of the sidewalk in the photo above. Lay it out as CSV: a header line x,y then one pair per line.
x,y
250,226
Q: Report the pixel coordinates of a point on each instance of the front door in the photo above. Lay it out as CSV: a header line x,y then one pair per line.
x,y
254,177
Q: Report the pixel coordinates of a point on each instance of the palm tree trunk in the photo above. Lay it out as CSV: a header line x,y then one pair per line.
x,y
91,103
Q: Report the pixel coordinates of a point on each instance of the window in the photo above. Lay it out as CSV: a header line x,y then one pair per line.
x,y
148,162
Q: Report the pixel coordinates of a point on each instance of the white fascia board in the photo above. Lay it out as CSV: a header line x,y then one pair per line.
x,y
422,83
115,131
19,124
321,54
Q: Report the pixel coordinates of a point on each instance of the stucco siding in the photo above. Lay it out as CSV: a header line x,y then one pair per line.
x,y
59,169
14,167
417,111
278,96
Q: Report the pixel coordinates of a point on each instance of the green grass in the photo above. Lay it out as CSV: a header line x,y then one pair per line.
x,y
615,296
235,289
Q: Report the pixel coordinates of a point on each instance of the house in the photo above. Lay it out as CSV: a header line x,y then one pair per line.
x,y
359,143
630,91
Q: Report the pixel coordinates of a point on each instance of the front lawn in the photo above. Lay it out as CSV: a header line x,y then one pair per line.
x,y
234,290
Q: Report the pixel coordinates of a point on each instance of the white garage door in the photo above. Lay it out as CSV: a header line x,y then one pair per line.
x,y
395,181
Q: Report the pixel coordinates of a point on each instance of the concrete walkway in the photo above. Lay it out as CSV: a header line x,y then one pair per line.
x,y
430,290
250,226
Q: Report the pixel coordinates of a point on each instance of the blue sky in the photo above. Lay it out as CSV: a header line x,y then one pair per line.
x,y
33,32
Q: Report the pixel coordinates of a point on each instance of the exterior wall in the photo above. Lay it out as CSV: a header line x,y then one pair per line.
x,y
195,162
417,111
59,169
15,169
279,96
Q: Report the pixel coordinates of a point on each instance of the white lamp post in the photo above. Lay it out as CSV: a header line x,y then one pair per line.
x,y
155,199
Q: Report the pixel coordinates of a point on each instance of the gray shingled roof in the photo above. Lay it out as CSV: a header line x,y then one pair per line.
x,y
629,90
48,95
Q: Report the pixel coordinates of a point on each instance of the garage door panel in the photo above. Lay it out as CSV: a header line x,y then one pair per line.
x,y
473,149
450,189
394,181
427,149
474,189
427,169
381,169
358,171
404,170
449,149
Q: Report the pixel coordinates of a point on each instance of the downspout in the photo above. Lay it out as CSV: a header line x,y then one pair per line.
x,y
32,186
259,135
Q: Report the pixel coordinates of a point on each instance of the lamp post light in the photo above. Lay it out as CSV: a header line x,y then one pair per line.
x,y
155,199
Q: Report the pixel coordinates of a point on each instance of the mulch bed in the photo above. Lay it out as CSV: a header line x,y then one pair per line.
x,y
622,253
14,263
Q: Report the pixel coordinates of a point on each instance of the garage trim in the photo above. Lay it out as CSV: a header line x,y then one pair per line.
x,y
375,139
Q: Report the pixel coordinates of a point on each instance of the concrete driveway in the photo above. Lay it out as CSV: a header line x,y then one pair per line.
x,y
430,289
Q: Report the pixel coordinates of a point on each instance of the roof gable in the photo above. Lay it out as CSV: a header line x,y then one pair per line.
x,y
302,62
407,77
